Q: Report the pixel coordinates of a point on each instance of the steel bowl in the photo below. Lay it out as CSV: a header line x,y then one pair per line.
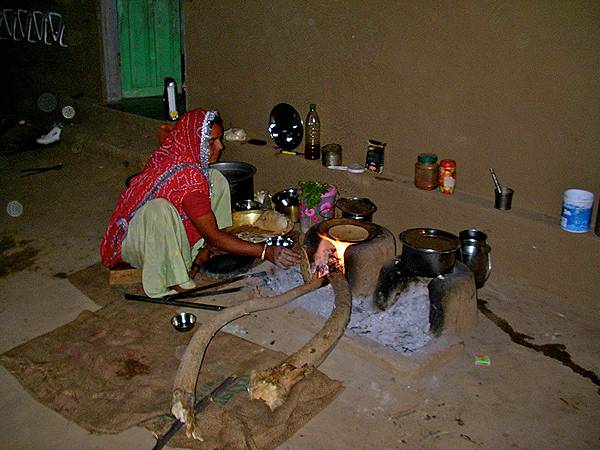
x,y
183,321
246,205
287,202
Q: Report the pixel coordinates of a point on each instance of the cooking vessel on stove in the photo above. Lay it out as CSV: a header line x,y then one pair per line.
x,y
429,252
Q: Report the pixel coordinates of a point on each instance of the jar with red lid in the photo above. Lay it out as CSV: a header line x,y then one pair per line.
x,y
426,171
447,178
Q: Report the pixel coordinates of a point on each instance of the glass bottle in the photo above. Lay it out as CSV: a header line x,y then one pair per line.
x,y
312,131
426,171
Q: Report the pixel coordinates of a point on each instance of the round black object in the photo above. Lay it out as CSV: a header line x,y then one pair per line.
x,y
285,127
227,265
240,176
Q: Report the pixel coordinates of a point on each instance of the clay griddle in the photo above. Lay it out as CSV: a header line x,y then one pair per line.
x,y
324,227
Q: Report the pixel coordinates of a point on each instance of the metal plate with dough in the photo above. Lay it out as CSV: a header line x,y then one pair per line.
x,y
243,227
348,233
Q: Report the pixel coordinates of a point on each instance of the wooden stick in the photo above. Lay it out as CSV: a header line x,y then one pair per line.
x,y
200,406
274,385
182,402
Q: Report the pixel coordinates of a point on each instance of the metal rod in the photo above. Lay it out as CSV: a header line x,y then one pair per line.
x,y
188,293
496,182
162,301
200,405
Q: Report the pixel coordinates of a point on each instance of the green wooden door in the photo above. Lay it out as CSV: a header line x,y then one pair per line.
x,y
150,45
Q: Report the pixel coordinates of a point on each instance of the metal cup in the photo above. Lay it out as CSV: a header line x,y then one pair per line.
x,y
503,199
475,253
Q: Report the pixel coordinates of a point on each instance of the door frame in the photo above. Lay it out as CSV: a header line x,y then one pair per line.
x,y
109,26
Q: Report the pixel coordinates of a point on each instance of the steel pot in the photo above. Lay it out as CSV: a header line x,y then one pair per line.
x,y
240,176
428,252
356,208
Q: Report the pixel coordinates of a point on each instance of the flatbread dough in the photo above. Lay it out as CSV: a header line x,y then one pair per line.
x,y
348,233
272,221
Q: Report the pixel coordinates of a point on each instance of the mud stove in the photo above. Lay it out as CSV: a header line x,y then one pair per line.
x,y
384,290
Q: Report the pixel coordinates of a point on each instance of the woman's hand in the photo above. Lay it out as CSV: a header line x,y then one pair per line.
x,y
282,257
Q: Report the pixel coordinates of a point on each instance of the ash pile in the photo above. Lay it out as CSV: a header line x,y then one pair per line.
x,y
403,327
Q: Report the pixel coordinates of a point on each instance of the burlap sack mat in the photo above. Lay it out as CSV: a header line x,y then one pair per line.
x,y
114,369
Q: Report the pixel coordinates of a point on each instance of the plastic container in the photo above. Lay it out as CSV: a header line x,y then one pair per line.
x,y
447,176
426,171
576,216
312,134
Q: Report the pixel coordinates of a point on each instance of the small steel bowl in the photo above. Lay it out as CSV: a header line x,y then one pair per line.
x,y
183,321
280,241
246,205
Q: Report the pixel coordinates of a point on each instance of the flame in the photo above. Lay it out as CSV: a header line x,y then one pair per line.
x,y
340,247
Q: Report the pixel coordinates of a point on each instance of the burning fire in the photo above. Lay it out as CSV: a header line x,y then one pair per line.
x,y
330,256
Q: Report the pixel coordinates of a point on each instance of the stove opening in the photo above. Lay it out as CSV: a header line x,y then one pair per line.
x,y
329,256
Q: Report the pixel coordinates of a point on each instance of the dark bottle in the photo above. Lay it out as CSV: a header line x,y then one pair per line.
x,y
312,131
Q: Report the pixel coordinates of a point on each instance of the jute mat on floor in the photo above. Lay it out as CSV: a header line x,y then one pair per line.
x,y
114,368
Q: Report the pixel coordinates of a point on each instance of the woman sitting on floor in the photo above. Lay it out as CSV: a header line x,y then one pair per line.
x,y
177,205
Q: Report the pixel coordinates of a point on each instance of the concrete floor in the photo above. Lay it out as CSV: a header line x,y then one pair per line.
x,y
438,400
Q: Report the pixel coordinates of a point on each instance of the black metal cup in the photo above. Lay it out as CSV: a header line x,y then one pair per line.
x,y
503,199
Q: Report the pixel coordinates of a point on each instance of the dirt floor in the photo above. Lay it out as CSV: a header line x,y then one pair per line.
x,y
542,389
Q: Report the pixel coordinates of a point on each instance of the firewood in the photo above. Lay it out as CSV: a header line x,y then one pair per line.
x,y
183,399
273,385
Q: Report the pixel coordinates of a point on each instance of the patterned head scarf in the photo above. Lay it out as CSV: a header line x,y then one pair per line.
x,y
179,166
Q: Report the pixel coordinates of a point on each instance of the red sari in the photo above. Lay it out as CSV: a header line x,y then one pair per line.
x,y
178,167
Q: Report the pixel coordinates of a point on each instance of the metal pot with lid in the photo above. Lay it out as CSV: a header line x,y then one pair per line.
x,y
356,208
429,252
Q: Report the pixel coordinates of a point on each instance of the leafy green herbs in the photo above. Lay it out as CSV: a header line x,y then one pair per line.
x,y
311,192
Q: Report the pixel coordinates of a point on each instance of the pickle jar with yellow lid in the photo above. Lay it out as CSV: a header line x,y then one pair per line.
x,y
426,171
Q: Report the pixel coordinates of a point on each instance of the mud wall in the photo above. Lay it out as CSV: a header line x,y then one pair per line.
x,y
63,59
509,85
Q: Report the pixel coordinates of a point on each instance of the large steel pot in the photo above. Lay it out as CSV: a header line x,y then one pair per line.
x,y
428,252
240,176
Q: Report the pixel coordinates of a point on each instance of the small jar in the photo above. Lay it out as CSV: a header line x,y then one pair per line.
x,y
331,155
447,178
426,171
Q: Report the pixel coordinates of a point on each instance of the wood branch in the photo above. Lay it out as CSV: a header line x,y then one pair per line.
x,y
273,385
182,402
